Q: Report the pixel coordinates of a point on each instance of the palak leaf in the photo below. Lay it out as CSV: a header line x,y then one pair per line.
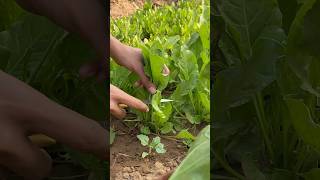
x,y
144,154
155,141
303,123
313,174
160,148
184,134
196,165
143,139
302,48
167,128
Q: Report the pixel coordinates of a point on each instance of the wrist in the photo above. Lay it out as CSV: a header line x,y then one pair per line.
x,y
119,51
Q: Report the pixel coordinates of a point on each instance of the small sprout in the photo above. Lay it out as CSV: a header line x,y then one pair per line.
x,y
144,154
155,142
160,148
155,145
143,139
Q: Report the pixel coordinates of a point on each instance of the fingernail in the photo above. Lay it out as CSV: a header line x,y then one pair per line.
x,y
165,70
86,71
152,90
136,84
147,110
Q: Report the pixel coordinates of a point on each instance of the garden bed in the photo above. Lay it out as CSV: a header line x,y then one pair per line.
x,y
127,163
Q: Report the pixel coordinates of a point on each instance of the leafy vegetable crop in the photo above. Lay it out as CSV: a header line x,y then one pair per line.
x,y
197,163
174,36
36,51
155,145
266,90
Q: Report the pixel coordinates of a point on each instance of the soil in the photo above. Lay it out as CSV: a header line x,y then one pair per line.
x,y
126,160
120,8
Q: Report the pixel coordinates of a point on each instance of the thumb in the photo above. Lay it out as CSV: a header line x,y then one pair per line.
x,y
166,176
144,80
96,68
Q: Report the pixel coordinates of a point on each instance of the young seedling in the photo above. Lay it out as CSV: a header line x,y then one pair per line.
x,y
154,145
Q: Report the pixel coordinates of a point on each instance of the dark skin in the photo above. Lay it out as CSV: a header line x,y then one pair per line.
x,y
25,111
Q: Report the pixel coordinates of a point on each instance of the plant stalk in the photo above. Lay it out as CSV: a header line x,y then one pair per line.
x,y
258,104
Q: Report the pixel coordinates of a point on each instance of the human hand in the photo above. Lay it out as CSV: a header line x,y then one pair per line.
x,y
90,26
166,176
24,112
96,69
118,97
132,59
70,15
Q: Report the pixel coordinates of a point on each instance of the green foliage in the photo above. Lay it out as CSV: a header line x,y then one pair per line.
x,y
155,144
313,174
197,163
184,134
266,89
145,130
36,51
10,12
143,139
176,36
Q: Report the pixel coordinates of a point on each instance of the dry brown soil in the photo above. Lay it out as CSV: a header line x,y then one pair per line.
x,y
120,8
127,163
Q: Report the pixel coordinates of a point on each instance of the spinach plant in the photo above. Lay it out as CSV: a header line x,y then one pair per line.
x,y
154,145
174,36
266,90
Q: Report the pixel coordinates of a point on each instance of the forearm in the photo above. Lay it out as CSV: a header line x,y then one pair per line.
x,y
87,18
123,54
116,48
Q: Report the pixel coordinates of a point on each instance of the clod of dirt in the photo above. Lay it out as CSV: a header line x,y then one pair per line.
x,y
145,169
127,169
159,165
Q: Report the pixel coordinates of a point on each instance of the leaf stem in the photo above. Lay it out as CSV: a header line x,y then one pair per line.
x,y
258,104
227,167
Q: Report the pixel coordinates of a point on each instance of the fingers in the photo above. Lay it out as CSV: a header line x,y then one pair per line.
x,y
117,97
96,68
138,84
144,80
133,103
117,111
165,70
146,83
60,123
42,140
166,176
20,156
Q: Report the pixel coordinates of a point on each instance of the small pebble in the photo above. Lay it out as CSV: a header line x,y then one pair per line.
x,y
127,169
158,165
126,175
